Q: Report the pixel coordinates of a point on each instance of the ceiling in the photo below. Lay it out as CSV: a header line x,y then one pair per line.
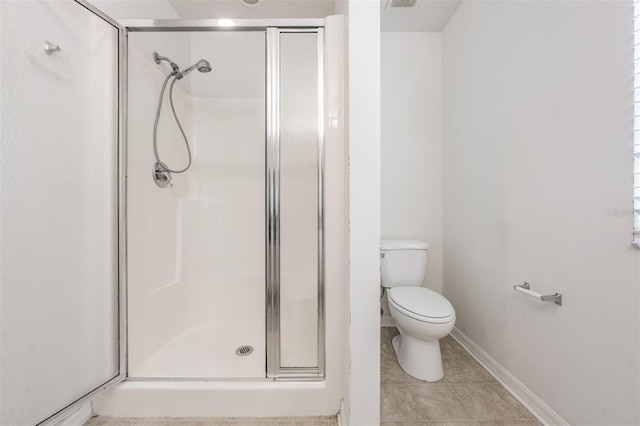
x,y
234,55
426,15
219,9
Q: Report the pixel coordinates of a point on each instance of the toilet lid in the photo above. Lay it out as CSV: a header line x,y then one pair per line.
x,y
422,304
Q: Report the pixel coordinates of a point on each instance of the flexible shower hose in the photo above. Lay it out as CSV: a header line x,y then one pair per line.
x,y
175,115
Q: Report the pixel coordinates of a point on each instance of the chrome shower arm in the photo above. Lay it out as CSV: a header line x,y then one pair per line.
x,y
157,58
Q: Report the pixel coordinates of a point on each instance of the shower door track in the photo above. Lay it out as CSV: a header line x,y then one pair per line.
x,y
171,25
273,28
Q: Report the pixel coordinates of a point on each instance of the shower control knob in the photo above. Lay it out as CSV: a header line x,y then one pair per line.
x,y
162,176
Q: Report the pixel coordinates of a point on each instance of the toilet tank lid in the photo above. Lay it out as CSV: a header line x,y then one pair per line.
x,y
398,244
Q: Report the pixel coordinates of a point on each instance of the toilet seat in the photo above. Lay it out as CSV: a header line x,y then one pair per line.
x,y
421,304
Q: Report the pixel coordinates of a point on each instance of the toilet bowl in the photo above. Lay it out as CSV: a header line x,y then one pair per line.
x,y
422,316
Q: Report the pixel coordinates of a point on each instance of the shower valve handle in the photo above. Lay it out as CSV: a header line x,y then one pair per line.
x,y
162,176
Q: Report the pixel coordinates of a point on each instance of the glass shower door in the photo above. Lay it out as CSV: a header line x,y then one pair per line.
x,y
59,208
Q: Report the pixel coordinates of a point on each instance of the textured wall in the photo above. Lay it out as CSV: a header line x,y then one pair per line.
x,y
537,187
412,143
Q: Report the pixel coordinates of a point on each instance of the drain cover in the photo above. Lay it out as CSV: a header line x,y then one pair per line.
x,y
244,350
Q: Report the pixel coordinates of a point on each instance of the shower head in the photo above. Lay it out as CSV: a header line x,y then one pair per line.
x,y
202,65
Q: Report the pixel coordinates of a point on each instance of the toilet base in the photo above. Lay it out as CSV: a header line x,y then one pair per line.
x,y
421,359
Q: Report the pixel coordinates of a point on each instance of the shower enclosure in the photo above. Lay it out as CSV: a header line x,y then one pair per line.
x,y
209,288
226,264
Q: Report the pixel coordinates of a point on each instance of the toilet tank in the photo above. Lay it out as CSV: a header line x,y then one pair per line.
x,y
403,263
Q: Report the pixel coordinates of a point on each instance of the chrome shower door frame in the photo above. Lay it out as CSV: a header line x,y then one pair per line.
x,y
274,366
273,28
65,412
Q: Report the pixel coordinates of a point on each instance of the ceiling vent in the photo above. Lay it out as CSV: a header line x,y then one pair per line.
x,y
393,4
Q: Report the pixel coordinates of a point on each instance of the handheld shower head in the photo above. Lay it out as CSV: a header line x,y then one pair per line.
x,y
202,65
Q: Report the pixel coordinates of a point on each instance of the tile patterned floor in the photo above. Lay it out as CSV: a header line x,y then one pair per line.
x,y
467,395
218,421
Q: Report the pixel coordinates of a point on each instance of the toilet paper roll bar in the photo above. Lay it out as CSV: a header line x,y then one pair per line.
x,y
525,288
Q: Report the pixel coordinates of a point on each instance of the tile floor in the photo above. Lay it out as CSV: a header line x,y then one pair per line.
x,y
219,421
467,395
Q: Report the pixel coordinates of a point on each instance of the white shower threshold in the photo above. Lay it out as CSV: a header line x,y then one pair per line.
x,y
164,398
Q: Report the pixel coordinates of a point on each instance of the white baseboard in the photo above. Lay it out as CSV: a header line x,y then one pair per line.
x,y
535,405
387,321
78,417
342,415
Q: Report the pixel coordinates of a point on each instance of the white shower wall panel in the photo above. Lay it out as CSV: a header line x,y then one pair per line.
x,y
196,249
152,213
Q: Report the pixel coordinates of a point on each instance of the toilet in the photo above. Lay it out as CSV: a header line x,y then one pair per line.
x,y
423,316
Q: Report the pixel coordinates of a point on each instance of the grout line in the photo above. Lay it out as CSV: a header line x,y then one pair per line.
x,y
507,402
473,417
487,418
424,417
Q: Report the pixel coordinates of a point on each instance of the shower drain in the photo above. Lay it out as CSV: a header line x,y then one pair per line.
x,y
244,350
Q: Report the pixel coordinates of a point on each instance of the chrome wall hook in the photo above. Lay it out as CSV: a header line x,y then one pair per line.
x,y
51,48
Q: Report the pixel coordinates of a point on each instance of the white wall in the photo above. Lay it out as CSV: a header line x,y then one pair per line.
x,y
136,9
412,142
363,33
340,38
336,206
537,188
